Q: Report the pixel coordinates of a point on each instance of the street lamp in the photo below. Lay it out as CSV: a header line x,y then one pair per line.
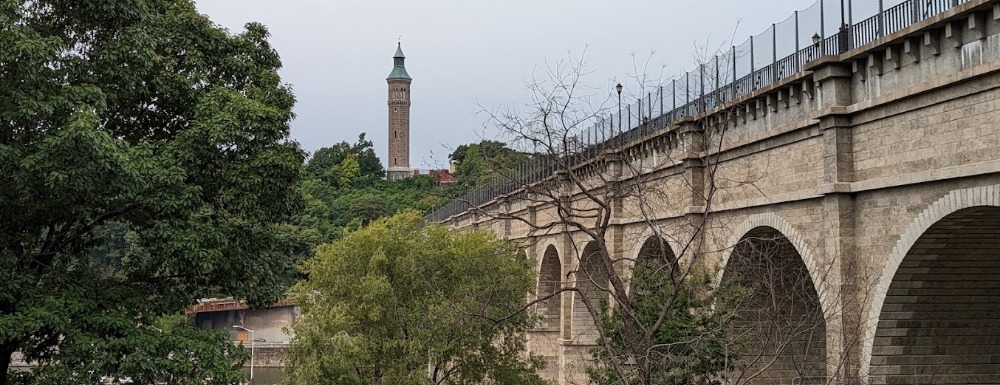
x,y
252,340
816,39
619,89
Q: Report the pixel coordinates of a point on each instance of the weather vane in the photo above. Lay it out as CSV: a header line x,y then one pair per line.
x,y
399,38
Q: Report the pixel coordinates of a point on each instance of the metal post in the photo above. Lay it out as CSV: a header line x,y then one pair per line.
x,y
663,114
843,14
850,12
701,79
687,93
822,27
774,50
718,87
753,66
638,113
674,96
619,111
881,19
798,38
629,109
253,338
733,83
649,101
916,10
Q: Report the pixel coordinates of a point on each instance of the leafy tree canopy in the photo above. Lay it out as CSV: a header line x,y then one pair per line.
x,y
328,163
479,163
145,161
677,333
399,302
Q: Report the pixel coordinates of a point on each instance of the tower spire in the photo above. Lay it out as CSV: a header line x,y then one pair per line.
x,y
399,118
398,68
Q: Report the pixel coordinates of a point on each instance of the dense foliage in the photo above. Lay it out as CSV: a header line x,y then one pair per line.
x,y
145,163
677,333
479,163
345,189
401,303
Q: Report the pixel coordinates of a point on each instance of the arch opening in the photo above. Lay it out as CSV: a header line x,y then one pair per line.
x,y
940,319
780,328
654,267
549,281
592,277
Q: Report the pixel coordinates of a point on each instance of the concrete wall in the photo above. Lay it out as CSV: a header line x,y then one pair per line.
x,y
266,323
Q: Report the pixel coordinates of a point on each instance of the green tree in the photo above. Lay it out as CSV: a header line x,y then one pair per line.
x,y
367,208
689,345
401,302
321,161
348,171
370,168
170,351
481,162
145,162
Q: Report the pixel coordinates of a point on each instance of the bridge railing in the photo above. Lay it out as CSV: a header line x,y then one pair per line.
x,y
825,28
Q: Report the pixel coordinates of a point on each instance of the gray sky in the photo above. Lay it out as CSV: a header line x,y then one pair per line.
x,y
337,55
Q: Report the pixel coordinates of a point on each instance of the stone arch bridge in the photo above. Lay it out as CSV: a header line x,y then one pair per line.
x,y
876,170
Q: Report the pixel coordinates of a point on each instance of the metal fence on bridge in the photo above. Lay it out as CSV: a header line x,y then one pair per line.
x,y
827,27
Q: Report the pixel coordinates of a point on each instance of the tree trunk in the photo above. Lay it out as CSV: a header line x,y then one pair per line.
x,y
6,351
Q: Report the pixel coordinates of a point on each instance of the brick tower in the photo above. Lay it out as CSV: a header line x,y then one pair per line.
x,y
399,119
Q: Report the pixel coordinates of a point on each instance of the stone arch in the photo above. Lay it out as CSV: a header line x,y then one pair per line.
x,y
782,226
549,281
591,277
932,295
655,252
651,233
781,316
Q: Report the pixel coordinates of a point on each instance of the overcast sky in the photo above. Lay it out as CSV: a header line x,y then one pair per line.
x,y
338,53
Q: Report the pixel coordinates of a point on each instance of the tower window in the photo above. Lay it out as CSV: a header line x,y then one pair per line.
x,y
394,134
394,109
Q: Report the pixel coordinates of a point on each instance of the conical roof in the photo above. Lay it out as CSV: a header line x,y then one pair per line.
x,y
398,69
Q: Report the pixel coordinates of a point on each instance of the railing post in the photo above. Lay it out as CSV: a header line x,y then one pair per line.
x,y
798,41
674,96
915,5
663,114
718,87
733,83
774,51
638,113
649,110
687,93
701,79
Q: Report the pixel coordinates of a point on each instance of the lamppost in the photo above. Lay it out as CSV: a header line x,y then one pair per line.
x,y
816,48
252,340
619,89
